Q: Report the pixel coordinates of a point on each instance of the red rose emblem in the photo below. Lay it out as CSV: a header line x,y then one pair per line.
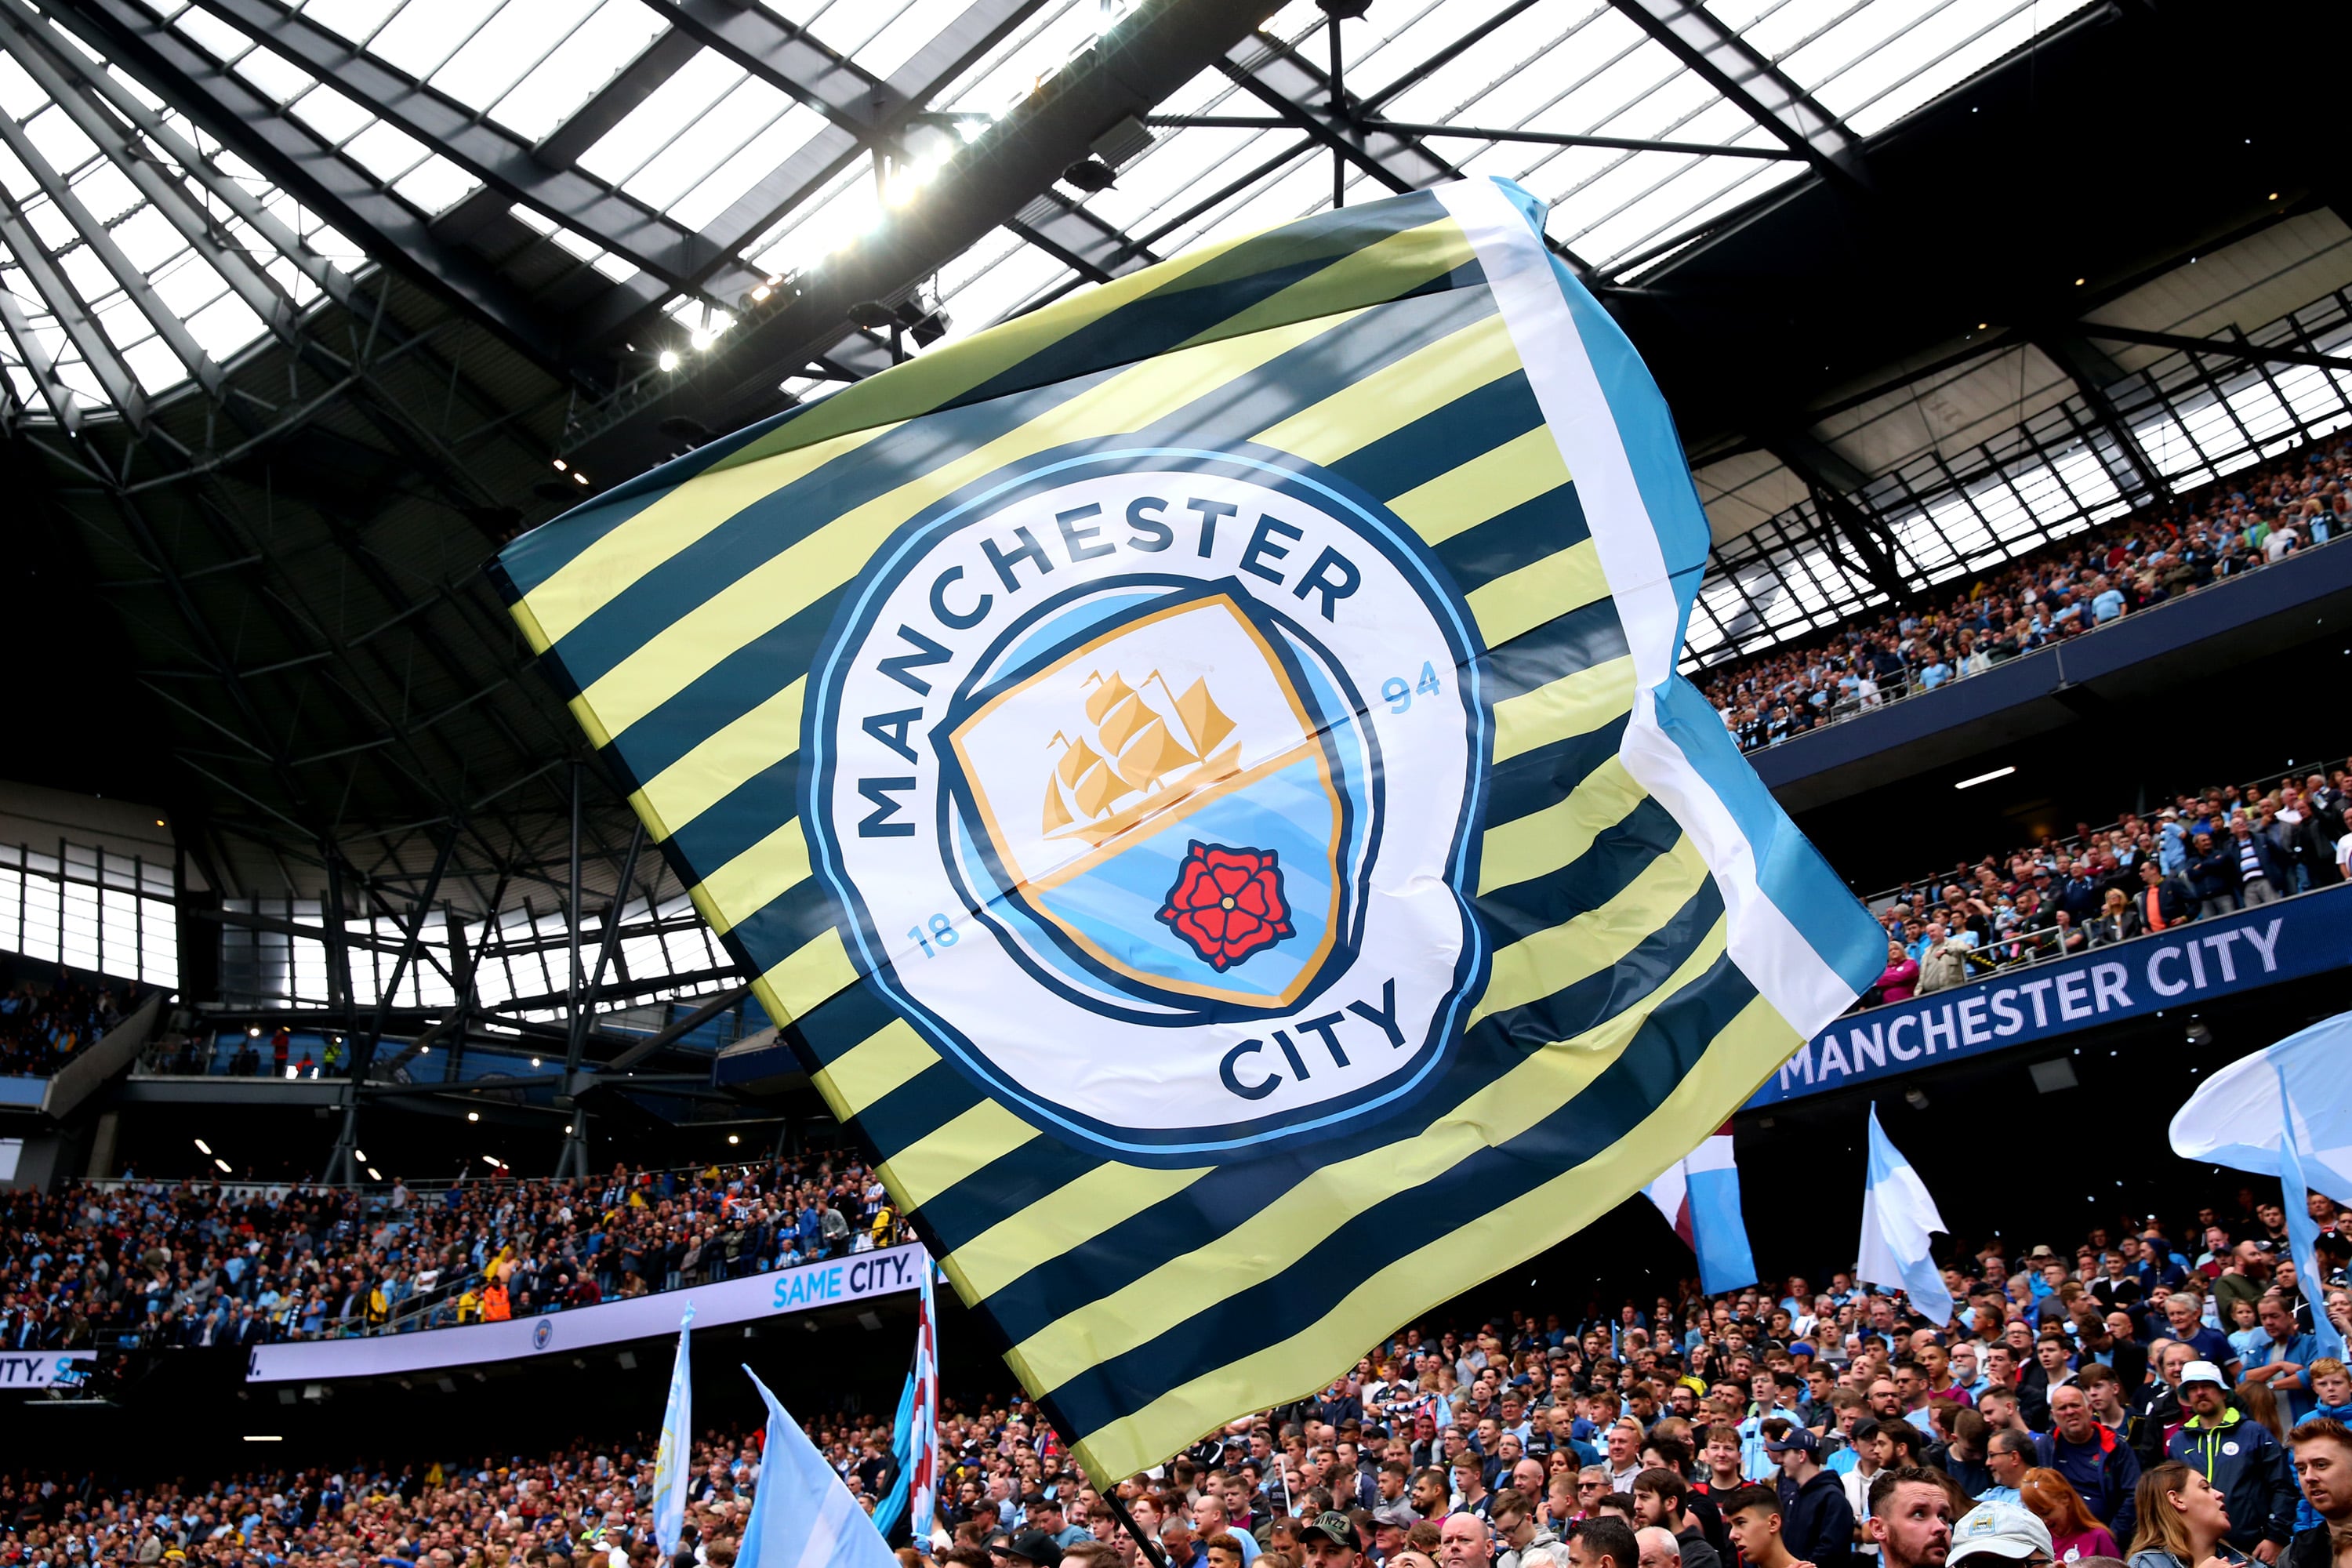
x,y
1228,903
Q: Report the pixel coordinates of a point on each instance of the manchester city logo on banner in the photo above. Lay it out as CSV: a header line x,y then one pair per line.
x,y
1147,781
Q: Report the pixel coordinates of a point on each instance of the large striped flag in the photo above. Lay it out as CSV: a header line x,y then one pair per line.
x,y
1200,774
1699,1195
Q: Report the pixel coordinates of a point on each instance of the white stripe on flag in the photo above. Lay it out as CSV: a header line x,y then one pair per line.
x,y
1770,950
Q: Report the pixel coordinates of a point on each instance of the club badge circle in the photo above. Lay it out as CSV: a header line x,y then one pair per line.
x,y
1147,784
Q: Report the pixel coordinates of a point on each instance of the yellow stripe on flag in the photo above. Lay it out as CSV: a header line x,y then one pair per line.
x,y
1518,602
1575,704
891,1056
1294,1223
1487,486
722,762
602,572
1747,1051
947,1154
1107,1195
1557,957
1543,841
807,976
1392,397
750,881
1382,270
780,587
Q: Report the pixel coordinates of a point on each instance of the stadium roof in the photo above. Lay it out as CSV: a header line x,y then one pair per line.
x,y
304,309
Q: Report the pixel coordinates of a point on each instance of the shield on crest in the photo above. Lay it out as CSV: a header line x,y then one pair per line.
x,y
1161,794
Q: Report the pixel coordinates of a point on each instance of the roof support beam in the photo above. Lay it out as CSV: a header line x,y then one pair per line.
x,y
2092,372
72,312
1833,483
861,113
496,156
1158,45
1734,68
613,103
2221,348
312,173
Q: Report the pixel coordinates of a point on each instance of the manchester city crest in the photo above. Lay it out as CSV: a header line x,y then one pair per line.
x,y
1147,782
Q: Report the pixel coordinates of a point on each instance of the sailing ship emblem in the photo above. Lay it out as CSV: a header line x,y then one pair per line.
x,y
1140,757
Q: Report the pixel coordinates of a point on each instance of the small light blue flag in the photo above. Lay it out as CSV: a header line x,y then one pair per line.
x,y
1898,1216
801,1516
674,1465
2284,1111
1699,1195
2302,1230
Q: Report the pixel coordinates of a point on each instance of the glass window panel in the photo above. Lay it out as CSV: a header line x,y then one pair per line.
x,y
572,73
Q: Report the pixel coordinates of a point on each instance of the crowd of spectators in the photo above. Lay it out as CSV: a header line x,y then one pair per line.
x,y
42,1025
2146,1388
2207,853
2250,519
199,1264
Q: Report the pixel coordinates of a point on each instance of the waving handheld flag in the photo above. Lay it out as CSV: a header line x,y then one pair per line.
x,y
914,1435
674,1463
800,1513
1201,774
2284,1111
1898,1216
1699,1195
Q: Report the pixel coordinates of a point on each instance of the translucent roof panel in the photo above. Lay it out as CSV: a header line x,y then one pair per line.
x,y
133,248
693,137
1582,68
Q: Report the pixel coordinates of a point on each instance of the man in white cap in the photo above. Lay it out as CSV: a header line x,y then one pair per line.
x,y
2247,1465
2002,1530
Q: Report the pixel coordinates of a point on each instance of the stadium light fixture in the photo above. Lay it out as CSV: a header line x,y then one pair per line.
x,y
731,1137
494,1162
204,1148
473,1116
668,360
263,1438
1986,778
361,1156
224,1165
562,466
375,1174
534,1061
254,1033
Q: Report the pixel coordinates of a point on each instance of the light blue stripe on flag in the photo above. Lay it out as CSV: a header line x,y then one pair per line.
x,y
801,1516
1719,1228
902,1443
2302,1230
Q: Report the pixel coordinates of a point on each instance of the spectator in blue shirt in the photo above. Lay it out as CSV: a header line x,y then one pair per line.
x,y
2106,600
2283,1357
